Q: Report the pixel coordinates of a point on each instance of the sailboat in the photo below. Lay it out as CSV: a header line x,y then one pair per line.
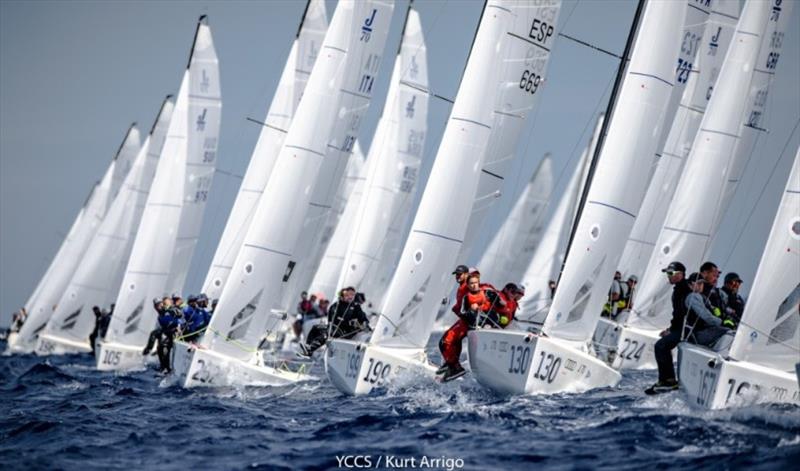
x,y
291,86
689,226
100,270
343,75
174,209
759,367
504,72
43,302
560,360
391,173
513,246
719,28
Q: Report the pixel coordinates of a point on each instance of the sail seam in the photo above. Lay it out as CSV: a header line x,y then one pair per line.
x,y
613,207
267,249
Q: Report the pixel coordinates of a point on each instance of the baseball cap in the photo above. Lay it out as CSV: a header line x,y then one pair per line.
x,y
732,277
461,269
674,266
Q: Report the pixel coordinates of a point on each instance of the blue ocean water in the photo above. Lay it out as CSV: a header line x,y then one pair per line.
x,y
60,413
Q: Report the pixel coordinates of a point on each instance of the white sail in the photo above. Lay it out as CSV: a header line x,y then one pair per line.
x,y
328,272
126,154
71,251
714,45
508,121
752,130
182,176
205,107
690,221
100,270
504,72
549,255
392,167
293,81
626,156
769,333
321,215
346,67
513,246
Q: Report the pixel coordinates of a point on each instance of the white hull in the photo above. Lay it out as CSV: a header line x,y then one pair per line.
x,y
712,382
195,366
511,362
634,349
116,356
605,339
48,344
355,368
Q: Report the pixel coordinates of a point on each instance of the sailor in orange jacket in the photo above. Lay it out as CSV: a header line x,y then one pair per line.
x,y
470,304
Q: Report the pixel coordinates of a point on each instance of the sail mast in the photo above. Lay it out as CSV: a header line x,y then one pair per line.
x,y
612,102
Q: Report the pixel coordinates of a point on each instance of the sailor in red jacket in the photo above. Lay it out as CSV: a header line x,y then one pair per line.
x,y
471,300
504,305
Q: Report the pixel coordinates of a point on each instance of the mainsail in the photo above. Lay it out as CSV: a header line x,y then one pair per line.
x,y
769,333
392,167
626,155
345,71
321,215
701,78
292,83
505,70
181,182
692,217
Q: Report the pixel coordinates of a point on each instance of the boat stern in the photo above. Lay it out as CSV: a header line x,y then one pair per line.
x,y
356,368
115,356
513,362
712,382
635,349
48,344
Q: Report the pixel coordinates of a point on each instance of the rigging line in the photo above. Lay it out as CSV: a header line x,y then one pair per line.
x,y
590,46
763,189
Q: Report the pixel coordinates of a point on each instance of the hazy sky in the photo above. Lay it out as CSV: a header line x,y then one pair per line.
x,y
75,74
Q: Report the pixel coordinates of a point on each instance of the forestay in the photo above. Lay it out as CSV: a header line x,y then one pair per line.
x,y
769,334
74,246
292,83
347,61
700,84
690,220
513,246
504,72
626,156
182,176
100,270
392,167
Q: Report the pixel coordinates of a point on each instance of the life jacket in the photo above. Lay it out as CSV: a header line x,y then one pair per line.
x,y
460,293
506,310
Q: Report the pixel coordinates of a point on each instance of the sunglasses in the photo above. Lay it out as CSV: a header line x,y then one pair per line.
x,y
671,273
